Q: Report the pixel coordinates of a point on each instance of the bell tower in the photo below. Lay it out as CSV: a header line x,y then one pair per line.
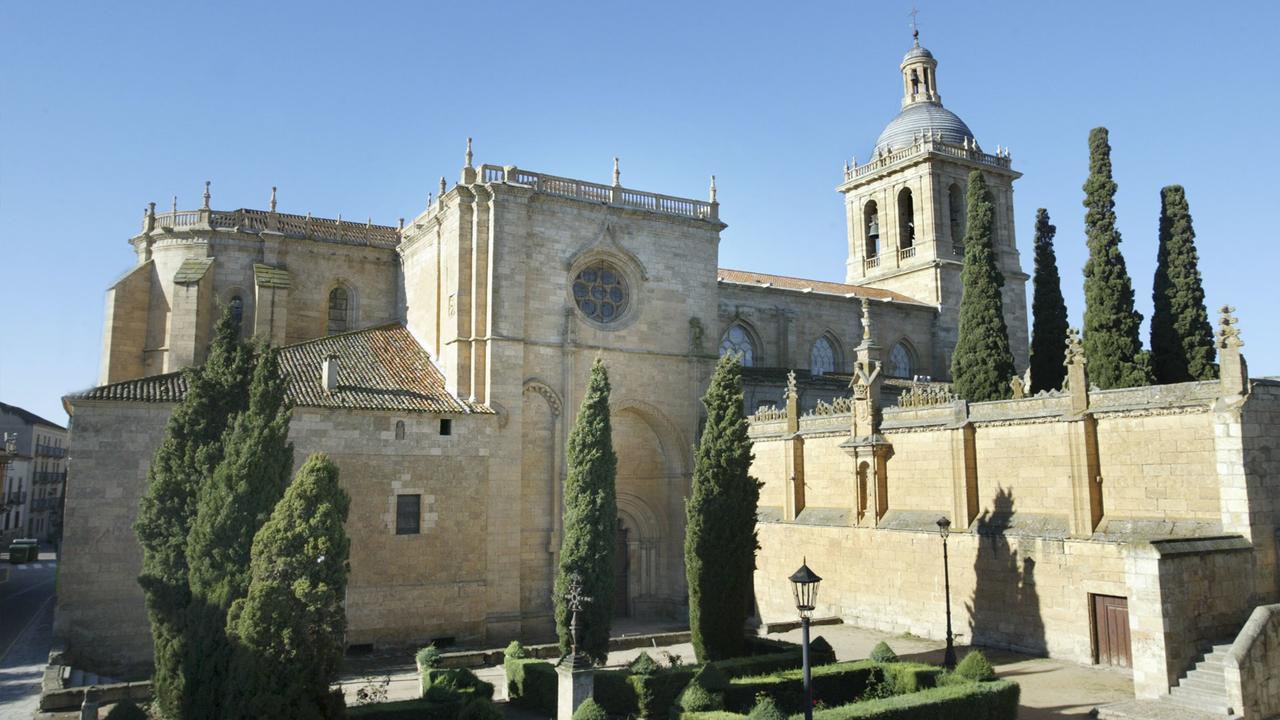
x,y
906,208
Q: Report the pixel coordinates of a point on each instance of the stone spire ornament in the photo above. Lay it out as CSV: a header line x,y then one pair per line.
x,y
469,155
175,204
273,198
617,176
713,188
207,196
1233,371
444,187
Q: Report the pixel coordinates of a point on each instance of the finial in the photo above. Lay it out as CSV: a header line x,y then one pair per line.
x,y
444,187
866,320
617,176
468,153
915,25
207,196
1075,346
1228,330
151,210
431,198
175,203
400,227
369,222
273,198
791,385
713,188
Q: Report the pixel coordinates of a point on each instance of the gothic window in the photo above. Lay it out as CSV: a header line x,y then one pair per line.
x,y
899,364
956,210
339,307
906,220
738,340
399,429
871,220
822,357
237,310
600,292
408,510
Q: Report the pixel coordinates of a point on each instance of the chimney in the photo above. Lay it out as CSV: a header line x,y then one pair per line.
x,y
329,373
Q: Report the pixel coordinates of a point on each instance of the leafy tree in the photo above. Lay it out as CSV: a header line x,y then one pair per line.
x,y
1182,346
1112,345
289,628
188,453
1049,329
720,540
590,520
231,507
982,364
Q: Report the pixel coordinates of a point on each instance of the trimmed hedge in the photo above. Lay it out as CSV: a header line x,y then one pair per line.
x,y
833,684
997,700
531,684
420,709
769,656
442,684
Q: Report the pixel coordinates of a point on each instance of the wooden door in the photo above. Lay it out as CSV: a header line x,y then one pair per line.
x,y
1111,631
620,563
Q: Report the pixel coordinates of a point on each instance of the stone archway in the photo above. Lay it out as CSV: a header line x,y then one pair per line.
x,y
651,484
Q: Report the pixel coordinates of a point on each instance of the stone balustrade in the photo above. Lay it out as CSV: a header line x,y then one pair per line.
x,y
597,192
924,146
304,226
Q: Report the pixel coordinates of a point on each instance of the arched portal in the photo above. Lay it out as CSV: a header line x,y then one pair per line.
x,y
651,485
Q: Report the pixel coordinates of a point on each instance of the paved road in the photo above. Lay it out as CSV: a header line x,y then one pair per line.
x,y
26,628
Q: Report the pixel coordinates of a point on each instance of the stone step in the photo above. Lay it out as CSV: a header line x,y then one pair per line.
x,y
1199,700
1202,682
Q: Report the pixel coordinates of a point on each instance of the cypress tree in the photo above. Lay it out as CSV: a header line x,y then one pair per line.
x,y
188,453
590,520
288,630
1049,328
1112,345
231,507
982,364
720,540
1182,346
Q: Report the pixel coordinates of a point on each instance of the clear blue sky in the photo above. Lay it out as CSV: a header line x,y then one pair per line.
x,y
359,108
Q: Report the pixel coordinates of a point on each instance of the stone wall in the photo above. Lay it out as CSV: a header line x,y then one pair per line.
x,y
403,588
1050,507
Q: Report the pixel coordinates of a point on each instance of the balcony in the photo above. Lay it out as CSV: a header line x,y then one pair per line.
x,y
49,476
45,503
871,263
50,451
17,497
906,253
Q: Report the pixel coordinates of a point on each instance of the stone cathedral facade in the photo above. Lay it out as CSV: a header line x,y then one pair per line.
x,y
441,362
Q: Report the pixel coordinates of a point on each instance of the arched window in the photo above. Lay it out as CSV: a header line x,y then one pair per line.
x,y
871,221
339,310
906,220
399,429
237,310
899,364
956,210
738,340
822,357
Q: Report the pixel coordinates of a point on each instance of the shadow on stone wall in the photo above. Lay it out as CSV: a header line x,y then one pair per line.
x,y
1004,610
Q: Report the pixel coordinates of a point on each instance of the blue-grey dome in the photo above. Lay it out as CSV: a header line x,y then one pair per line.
x,y
919,118
917,52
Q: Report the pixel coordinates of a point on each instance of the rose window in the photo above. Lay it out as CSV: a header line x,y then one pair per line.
x,y
600,292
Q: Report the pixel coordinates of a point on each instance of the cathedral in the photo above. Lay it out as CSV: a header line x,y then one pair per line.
x,y
440,363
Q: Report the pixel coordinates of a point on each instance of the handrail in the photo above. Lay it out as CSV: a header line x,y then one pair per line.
x,y
597,192
925,146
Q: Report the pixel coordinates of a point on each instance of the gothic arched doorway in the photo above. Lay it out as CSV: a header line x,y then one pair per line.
x,y
621,566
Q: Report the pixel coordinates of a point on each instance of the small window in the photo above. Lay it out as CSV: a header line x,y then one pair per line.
x,y
339,305
237,310
399,429
408,510
446,426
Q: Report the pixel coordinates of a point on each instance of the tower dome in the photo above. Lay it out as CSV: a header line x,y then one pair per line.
x,y
922,111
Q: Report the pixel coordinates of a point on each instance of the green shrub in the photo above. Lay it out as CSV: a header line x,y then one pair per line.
x,y
821,652
613,691
833,684
428,657
590,710
968,701
909,677
766,709
644,665
882,653
531,684
711,678
420,709
656,694
514,651
712,715
452,683
480,709
975,666
127,710
697,698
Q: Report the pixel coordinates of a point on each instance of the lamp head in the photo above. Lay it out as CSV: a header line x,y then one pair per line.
x,y
804,585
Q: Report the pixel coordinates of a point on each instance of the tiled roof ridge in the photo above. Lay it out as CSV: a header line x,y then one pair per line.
x,y
28,416
758,279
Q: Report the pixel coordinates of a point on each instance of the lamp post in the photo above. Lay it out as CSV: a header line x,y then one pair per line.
x,y
804,584
944,529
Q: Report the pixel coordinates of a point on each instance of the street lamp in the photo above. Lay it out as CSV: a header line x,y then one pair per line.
x,y
804,584
944,529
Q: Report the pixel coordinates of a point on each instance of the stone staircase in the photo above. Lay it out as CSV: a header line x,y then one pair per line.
x,y
74,677
1204,686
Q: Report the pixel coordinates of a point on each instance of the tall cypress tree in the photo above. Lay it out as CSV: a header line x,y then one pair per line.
x,y
982,364
590,520
1182,346
231,507
188,453
720,540
1112,344
289,628
1049,328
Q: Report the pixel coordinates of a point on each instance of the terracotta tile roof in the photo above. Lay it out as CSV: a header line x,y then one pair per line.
x,y
27,416
381,368
822,287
